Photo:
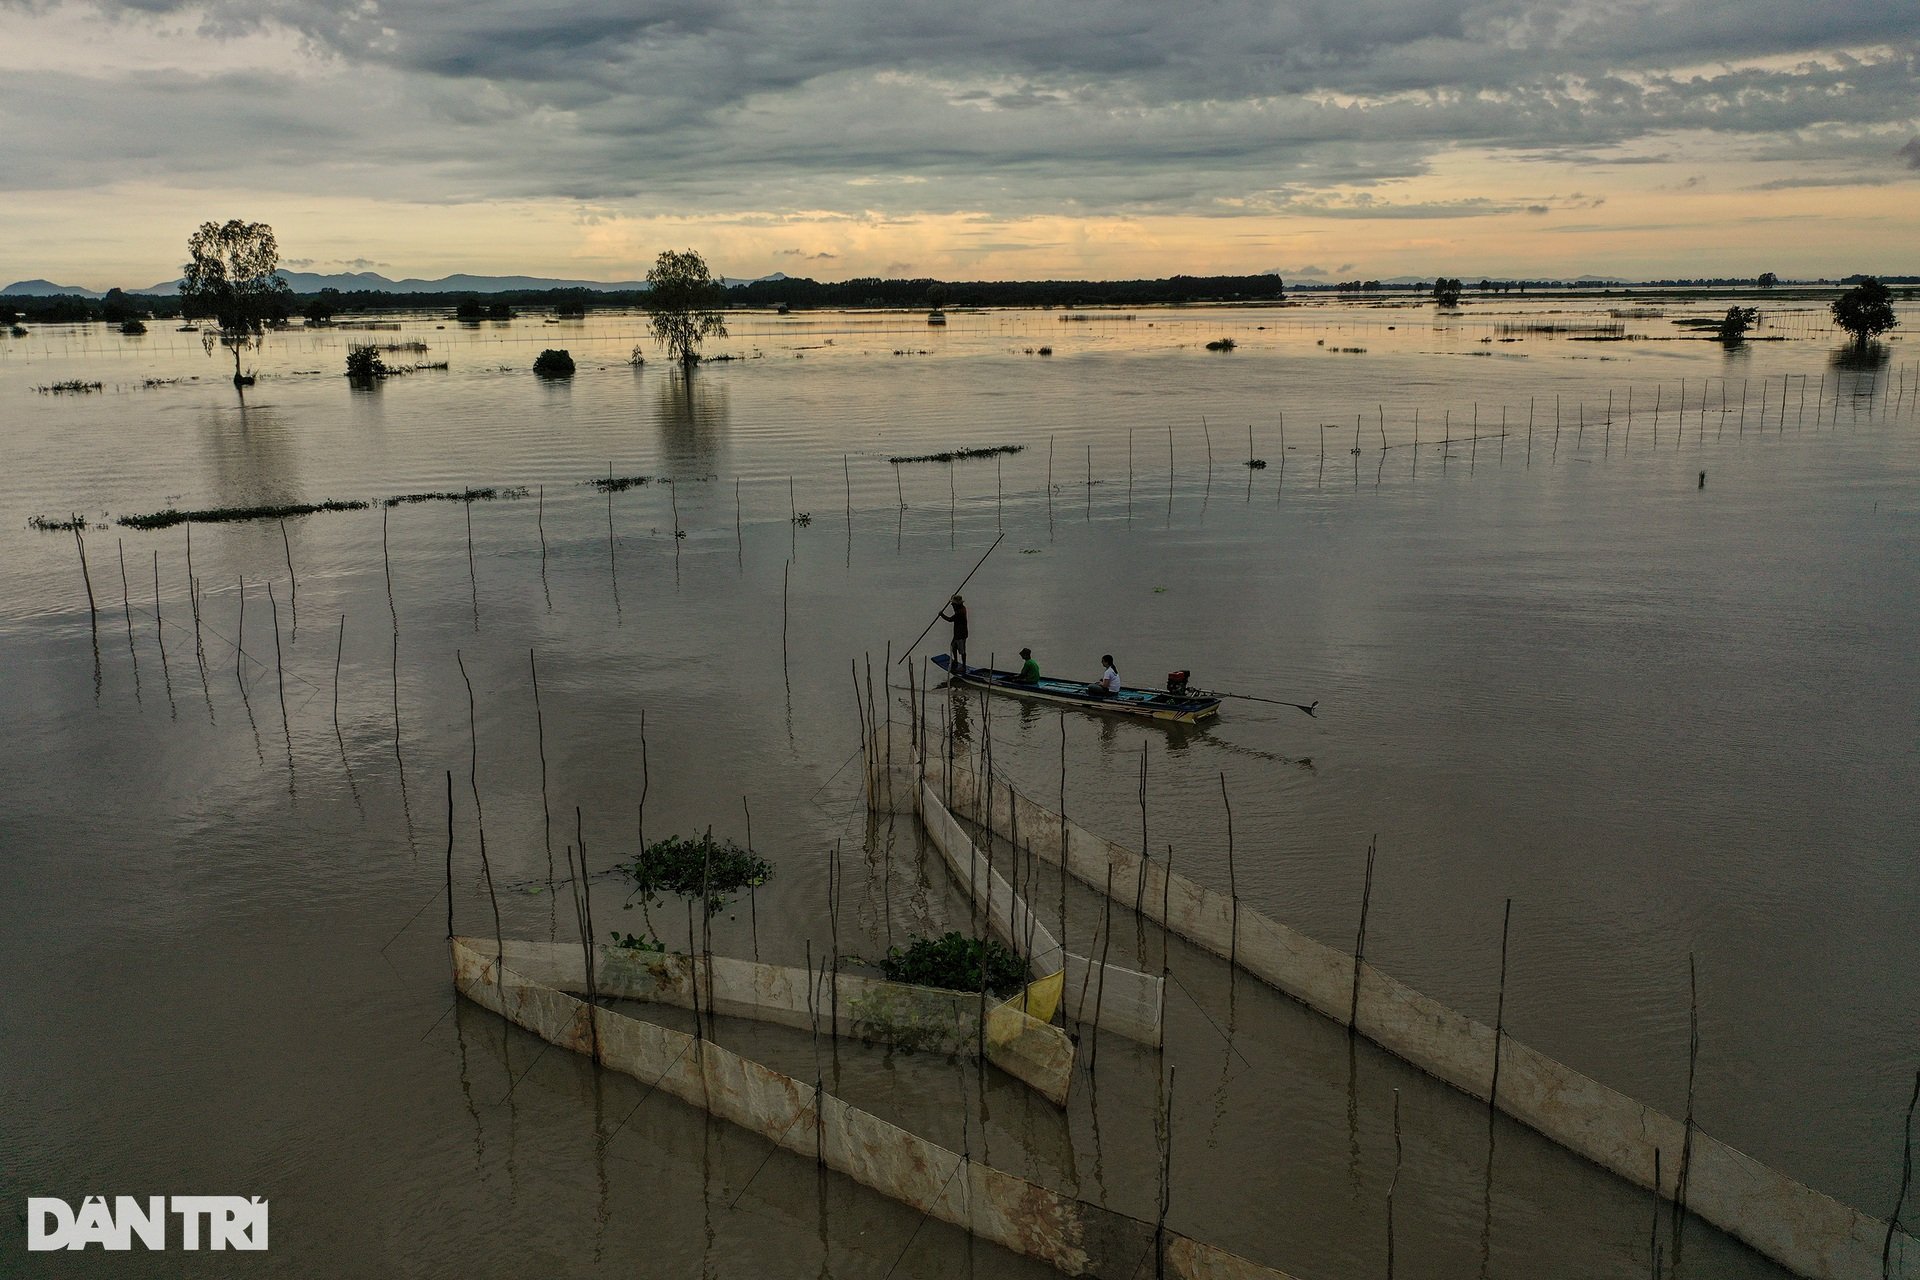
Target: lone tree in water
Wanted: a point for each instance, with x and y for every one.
(1446, 291)
(684, 299)
(231, 280)
(1865, 311)
(1734, 325)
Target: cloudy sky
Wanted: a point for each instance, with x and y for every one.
(994, 139)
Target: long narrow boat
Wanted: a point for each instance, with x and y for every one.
(1154, 704)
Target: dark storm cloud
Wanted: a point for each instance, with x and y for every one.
(1131, 105)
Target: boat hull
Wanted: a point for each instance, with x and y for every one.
(1146, 704)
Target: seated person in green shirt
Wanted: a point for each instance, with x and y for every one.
(1029, 669)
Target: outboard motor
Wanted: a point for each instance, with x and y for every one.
(1177, 682)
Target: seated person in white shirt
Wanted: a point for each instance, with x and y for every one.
(1109, 682)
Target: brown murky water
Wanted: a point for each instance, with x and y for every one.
(1663, 719)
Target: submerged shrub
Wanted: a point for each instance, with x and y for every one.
(364, 363)
(552, 363)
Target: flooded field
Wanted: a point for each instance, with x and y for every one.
(1601, 618)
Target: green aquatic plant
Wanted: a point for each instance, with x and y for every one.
(955, 962)
(224, 515)
(958, 455)
(636, 942)
(688, 868)
(618, 484)
(487, 494)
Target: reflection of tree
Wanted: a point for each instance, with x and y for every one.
(1856, 369)
(1860, 357)
(250, 457)
(693, 416)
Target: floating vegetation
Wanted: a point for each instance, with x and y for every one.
(224, 515)
(487, 494)
(1256, 464)
(44, 525)
(803, 518)
(636, 942)
(151, 383)
(553, 363)
(1222, 344)
(133, 328)
(1600, 329)
(908, 352)
(1030, 551)
(403, 346)
(18, 331)
(688, 868)
(74, 385)
(1078, 318)
(1044, 351)
(1350, 351)
(618, 484)
(955, 962)
(958, 455)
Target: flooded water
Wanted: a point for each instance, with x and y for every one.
(1670, 717)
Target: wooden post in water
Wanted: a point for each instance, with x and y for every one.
(1686, 1132)
(339, 647)
(293, 583)
(1233, 884)
(93, 613)
(1360, 940)
(1394, 1181)
(1499, 1022)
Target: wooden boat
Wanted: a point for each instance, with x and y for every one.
(1154, 704)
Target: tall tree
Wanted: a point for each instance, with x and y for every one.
(1446, 291)
(230, 280)
(684, 299)
(1865, 310)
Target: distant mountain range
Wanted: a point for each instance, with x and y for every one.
(373, 282)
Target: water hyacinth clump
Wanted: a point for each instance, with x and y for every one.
(686, 868)
(954, 962)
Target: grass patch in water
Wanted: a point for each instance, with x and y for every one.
(225, 515)
(487, 494)
(618, 484)
(959, 455)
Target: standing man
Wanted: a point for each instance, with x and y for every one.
(958, 648)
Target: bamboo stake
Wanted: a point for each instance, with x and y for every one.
(126, 610)
(1906, 1180)
(1233, 885)
(1686, 1133)
(449, 853)
(1360, 939)
(293, 583)
(540, 741)
(540, 523)
(1499, 1021)
(340, 645)
(93, 614)
(279, 669)
(479, 817)
(1394, 1181)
